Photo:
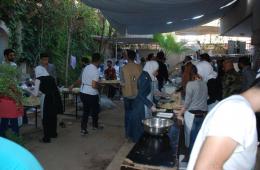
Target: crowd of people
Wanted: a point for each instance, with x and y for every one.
(227, 138)
(219, 103)
(45, 85)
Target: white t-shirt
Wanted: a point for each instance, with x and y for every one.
(90, 73)
(117, 68)
(11, 63)
(205, 70)
(234, 118)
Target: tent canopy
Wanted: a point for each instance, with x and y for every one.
(154, 16)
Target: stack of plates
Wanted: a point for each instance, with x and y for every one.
(165, 115)
(160, 110)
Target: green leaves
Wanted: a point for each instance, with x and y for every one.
(8, 83)
(169, 44)
(45, 28)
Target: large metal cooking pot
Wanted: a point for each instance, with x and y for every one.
(157, 126)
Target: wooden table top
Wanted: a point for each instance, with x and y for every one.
(109, 82)
(31, 101)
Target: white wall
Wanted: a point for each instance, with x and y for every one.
(3, 43)
(3, 39)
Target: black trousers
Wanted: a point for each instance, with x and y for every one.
(90, 107)
(111, 91)
(49, 123)
(258, 124)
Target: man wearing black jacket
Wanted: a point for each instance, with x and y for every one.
(162, 75)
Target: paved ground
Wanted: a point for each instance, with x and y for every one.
(258, 160)
(71, 151)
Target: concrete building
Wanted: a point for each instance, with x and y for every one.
(243, 20)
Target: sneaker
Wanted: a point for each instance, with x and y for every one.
(83, 132)
(98, 128)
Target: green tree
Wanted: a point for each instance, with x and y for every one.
(62, 28)
(169, 44)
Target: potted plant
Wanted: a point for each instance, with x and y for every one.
(10, 94)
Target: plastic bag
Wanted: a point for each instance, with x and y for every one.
(106, 103)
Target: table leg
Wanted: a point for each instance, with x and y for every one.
(76, 104)
(102, 89)
(25, 118)
(64, 97)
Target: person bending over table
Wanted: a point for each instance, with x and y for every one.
(51, 103)
(144, 86)
(195, 107)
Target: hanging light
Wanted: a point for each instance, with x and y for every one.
(228, 4)
(198, 17)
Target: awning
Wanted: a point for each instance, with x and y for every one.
(199, 30)
(154, 16)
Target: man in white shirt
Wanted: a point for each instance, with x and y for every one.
(228, 138)
(9, 57)
(89, 94)
(208, 75)
(117, 68)
(205, 69)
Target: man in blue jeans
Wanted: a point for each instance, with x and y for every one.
(129, 76)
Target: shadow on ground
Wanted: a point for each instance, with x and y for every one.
(71, 151)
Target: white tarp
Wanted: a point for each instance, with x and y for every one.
(153, 16)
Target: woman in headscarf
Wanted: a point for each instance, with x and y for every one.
(144, 85)
(51, 104)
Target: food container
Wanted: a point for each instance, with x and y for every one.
(157, 126)
(169, 89)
